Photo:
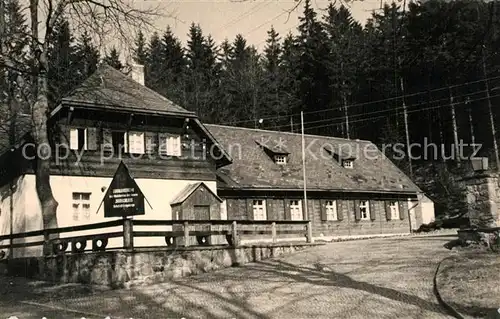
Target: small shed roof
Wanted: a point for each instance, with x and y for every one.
(190, 189)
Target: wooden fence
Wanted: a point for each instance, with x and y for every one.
(180, 236)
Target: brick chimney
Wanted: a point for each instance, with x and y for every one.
(137, 73)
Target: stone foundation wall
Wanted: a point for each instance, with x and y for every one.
(119, 269)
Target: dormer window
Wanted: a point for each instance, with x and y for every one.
(347, 163)
(276, 152)
(280, 159)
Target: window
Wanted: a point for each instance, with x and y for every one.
(331, 210)
(296, 210)
(259, 209)
(170, 145)
(347, 164)
(150, 142)
(394, 207)
(364, 209)
(78, 139)
(81, 206)
(119, 141)
(136, 142)
(280, 159)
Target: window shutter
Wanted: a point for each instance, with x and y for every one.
(73, 139)
(249, 209)
(125, 142)
(288, 214)
(388, 210)
(107, 139)
(303, 205)
(340, 214)
(322, 204)
(269, 209)
(357, 211)
(162, 144)
(177, 145)
(373, 211)
(92, 138)
(402, 210)
(150, 142)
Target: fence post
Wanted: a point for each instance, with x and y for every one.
(47, 249)
(273, 231)
(309, 232)
(128, 234)
(186, 234)
(234, 233)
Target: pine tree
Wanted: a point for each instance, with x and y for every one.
(61, 60)
(112, 58)
(271, 82)
(16, 42)
(290, 81)
(314, 88)
(140, 50)
(173, 64)
(86, 56)
(345, 38)
(154, 64)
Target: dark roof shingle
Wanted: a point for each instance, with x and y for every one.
(110, 88)
(253, 168)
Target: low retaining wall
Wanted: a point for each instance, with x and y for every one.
(122, 269)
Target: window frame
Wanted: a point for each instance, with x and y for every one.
(169, 144)
(296, 207)
(81, 206)
(134, 138)
(331, 210)
(125, 145)
(349, 164)
(364, 204)
(256, 206)
(394, 204)
(280, 159)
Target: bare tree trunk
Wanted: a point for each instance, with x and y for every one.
(471, 126)
(407, 133)
(39, 111)
(455, 128)
(346, 114)
(490, 112)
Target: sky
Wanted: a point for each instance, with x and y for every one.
(252, 18)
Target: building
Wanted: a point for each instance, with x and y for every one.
(248, 174)
(352, 188)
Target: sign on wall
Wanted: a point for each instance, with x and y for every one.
(123, 197)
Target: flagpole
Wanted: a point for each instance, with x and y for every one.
(306, 215)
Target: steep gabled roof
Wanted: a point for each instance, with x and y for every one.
(253, 169)
(190, 189)
(109, 88)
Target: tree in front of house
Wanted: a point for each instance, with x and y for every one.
(96, 17)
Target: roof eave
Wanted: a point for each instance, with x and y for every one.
(288, 189)
(119, 108)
